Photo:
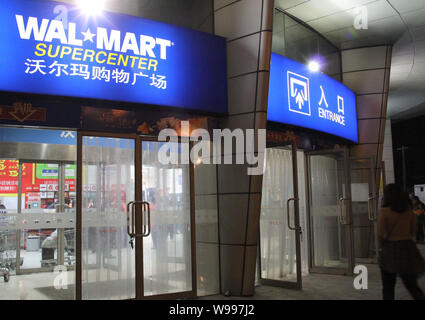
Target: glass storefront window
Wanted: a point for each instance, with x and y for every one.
(37, 213)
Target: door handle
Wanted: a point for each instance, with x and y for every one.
(146, 227)
(341, 211)
(287, 212)
(130, 221)
(370, 213)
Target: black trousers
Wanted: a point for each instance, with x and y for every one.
(409, 281)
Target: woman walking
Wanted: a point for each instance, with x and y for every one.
(399, 254)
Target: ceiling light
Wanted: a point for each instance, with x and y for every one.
(91, 7)
(314, 66)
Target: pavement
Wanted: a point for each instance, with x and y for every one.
(330, 287)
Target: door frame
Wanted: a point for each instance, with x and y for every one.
(347, 199)
(138, 164)
(374, 200)
(281, 283)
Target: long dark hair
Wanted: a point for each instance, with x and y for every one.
(396, 198)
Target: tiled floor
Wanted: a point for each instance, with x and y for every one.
(315, 287)
(328, 287)
(24, 287)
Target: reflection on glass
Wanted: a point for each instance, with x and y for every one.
(328, 233)
(362, 188)
(206, 213)
(8, 209)
(40, 199)
(36, 229)
(300, 43)
(167, 251)
(108, 262)
(277, 241)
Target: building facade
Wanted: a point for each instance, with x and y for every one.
(89, 210)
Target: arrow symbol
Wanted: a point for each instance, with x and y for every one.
(299, 100)
(22, 111)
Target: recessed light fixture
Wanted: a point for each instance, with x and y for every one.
(91, 7)
(314, 66)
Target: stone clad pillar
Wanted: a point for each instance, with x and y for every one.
(247, 25)
(367, 72)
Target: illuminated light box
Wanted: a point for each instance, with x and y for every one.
(55, 49)
(300, 97)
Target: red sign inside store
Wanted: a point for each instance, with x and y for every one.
(9, 178)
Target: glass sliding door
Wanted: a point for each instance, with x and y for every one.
(330, 222)
(280, 231)
(167, 250)
(108, 268)
(364, 208)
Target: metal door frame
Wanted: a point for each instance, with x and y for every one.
(374, 200)
(297, 229)
(139, 258)
(347, 199)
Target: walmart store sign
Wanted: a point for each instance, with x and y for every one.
(300, 97)
(51, 48)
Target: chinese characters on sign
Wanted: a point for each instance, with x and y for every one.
(9, 176)
(22, 111)
(109, 57)
(35, 177)
(95, 73)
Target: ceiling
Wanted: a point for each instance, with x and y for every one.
(397, 22)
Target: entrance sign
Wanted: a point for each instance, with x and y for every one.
(300, 97)
(110, 57)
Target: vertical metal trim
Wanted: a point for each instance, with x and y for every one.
(193, 224)
(220, 287)
(60, 208)
(296, 214)
(78, 226)
(258, 260)
(350, 244)
(384, 177)
(19, 232)
(138, 165)
(375, 194)
(213, 17)
(310, 247)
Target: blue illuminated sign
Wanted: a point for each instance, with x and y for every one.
(18, 135)
(52, 48)
(300, 97)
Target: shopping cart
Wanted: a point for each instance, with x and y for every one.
(4, 261)
(8, 251)
(50, 244)
(70, 247)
